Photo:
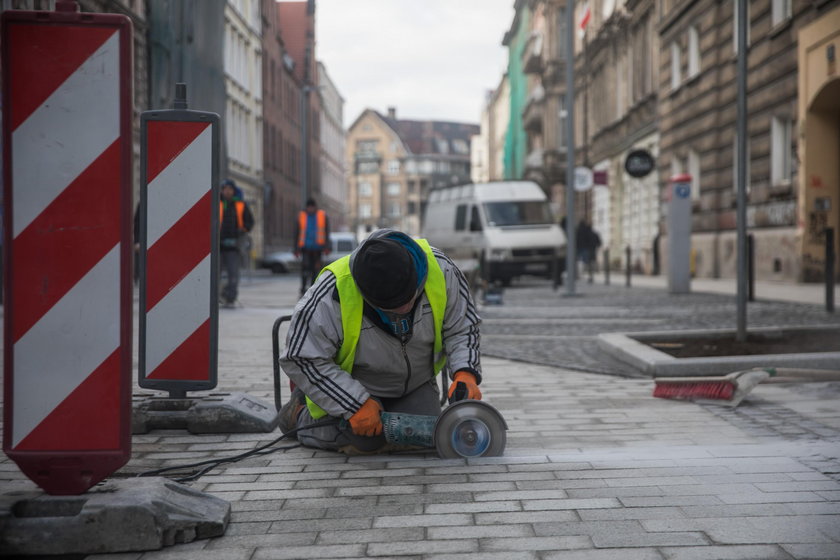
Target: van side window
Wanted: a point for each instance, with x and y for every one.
(475, 220)
(461, 217)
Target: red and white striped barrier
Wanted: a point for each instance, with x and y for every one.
(179, 205)
(67, 191)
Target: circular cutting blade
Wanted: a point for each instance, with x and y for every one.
(470, 428)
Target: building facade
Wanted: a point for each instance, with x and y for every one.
(281, 135)
(243, 117)
(297, 25)
(393, 164)
(697, 109)
(333, 147)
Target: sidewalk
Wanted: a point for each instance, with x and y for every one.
(595, 468)
(771, 291)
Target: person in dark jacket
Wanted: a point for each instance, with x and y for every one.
(235, 221)
(371, 335)
(587, 242)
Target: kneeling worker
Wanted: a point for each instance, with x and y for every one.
(371, 334)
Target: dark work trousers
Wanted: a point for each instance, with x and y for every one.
(230, 261)
(310, 266)
(424, 400)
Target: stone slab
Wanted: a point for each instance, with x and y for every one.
(631, 349)
(135, 514)
(210, 414)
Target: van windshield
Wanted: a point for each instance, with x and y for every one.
(520, 213)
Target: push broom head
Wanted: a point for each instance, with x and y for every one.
(726, 389)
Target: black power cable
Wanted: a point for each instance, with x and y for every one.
(211, 464)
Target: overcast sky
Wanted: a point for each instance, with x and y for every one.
(432, 60)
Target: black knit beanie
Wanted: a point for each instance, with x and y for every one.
(385, 273)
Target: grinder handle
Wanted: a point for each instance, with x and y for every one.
(460, 392)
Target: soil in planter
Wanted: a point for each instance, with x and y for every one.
(792, 342)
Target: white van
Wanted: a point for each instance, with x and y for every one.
(506, 227)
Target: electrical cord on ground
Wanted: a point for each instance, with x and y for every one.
(211, 464)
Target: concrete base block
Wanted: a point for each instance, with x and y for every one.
(212, 414)
(117, 516)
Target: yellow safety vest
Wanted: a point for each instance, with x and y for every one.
(352, 307)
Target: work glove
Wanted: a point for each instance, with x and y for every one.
(469, 384)
(367, 420)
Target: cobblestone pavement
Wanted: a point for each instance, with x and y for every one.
(594, 469)
(538, 325)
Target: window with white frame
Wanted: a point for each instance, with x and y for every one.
(393, 209)
(780, 151)
(780, 11)
(393, 167)
(693, 165)
(676, 65)
(394, 189)
(365, 189)
(693, 51)
(365, 211)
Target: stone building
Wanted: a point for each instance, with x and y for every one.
(488, 147)
(393, 164)
(616, 115)
(281, 135)
(332, 172)
(792, 195)
(243, 118)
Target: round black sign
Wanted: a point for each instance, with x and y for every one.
(639, 163)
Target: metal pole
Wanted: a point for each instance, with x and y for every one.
(606, 267)
(571, 257)
(741, 178)
(750, 268)
(829, 270)
(627, 272)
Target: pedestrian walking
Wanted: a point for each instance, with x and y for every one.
(587, 242)
(235, 221)
(313, 242)
(371, 335)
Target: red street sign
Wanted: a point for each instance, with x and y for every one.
(179, 209)
(67, 266)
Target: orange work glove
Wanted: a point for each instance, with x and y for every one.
(366, 421)
(468, 379)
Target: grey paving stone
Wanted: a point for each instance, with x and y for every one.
(753, 530)
(606, 554)
(621, 513)
(422, 547)
(771, 497)
(534, 543)
(377, 490)
(828, 551)
(500, 518)
(255, 541)
(522, 495)
(485, 555)
(434, 520)
(320, 551)
(549, 504)
(480, 531)
(318, 525)
(735, 552)
(474, 507)
(642, 539)
(371, 535)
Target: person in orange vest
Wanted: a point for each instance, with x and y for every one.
(312, 233)
(235, 221)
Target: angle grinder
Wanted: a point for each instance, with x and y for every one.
(466, 428)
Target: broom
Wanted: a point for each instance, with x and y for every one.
(731, 389)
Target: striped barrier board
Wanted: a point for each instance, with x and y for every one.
(67, 156)
(179, 217)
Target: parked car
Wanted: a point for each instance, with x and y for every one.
(281, 262)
